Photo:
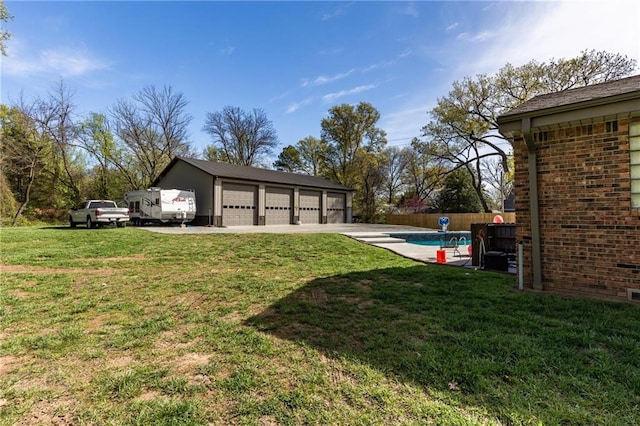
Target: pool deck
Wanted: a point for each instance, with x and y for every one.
(427, 254)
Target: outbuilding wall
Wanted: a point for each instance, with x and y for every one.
(185, 176)
(590, 235)
(211, 207)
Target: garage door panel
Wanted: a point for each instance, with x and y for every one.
(310, 207)
(335, 208)
(278, 206)
(239, 204)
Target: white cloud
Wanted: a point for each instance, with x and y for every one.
(330, 97)
(410, 10)
(63, 61)
(297, 105)
(523, 32)
(69, 63)
(560, 29)
(403, 125)
(339, 11)
(323, 79)
(452, 26)
(227, 51)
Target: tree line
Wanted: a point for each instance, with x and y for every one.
(52, 157)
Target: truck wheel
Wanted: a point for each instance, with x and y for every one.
(71, 222)
(90, 223)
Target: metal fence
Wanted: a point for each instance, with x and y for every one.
(457, 221)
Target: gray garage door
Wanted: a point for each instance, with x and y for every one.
(239, 204)
(278, 203)
(310, 202)
(335, 207)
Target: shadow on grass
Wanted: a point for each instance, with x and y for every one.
(469, 336)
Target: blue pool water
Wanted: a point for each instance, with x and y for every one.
(434, 239)
(435, 243)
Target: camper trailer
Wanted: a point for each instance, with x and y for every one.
(161, 205)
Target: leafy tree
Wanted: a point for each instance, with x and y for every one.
(8, 205)
(24, 156)
(463, 126)
(457, 194)
(353, 156)
(96, 138)
(289, 160)
(5, 35)
(241, 137)
(423, 173)
(151, 129)
(346, 131)
(306, 157)
(371, 184)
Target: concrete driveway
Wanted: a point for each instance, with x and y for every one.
(341, 228)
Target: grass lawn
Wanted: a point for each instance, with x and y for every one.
(129, 327)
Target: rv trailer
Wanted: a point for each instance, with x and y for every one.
(161, 205)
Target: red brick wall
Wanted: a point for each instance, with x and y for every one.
(590, 235)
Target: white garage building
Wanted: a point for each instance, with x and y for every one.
(232, 195)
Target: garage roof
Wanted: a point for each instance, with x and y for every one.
(234, 171)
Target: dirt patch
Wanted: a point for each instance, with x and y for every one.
(148, 396)
(20, 294)
(31, 269)
(45, 412)
(120, 362)
(133, 258)
(8, 364)
(318, 295)
(23, 269)
(364, 284)
(191, 361)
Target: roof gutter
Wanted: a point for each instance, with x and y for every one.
(534, 205)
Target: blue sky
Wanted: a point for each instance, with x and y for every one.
(295, 60)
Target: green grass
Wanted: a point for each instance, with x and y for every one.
(128, 327)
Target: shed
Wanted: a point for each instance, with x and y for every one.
(577, 189)
(233, 195)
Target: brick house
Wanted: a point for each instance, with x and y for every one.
(577, 188)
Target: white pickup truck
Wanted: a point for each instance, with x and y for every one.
(94, 213)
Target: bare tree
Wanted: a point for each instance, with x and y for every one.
(241, 137)
(394, 169)
(54, 118)
(151, 129)
(423, 172)
(499, 183)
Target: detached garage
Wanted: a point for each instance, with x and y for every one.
(232, 195)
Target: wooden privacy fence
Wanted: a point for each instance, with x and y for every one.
(457, 221)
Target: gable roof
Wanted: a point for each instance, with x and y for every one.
(234, 171)
(597, 94)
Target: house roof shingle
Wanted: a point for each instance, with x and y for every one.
(233, 171)
(626, 86)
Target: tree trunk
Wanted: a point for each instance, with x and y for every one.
(27, 191)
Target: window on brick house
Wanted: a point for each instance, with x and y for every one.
(634, 142)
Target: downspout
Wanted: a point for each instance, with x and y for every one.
(533, 203)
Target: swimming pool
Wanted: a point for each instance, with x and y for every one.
(437, 243)
(434, 239)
